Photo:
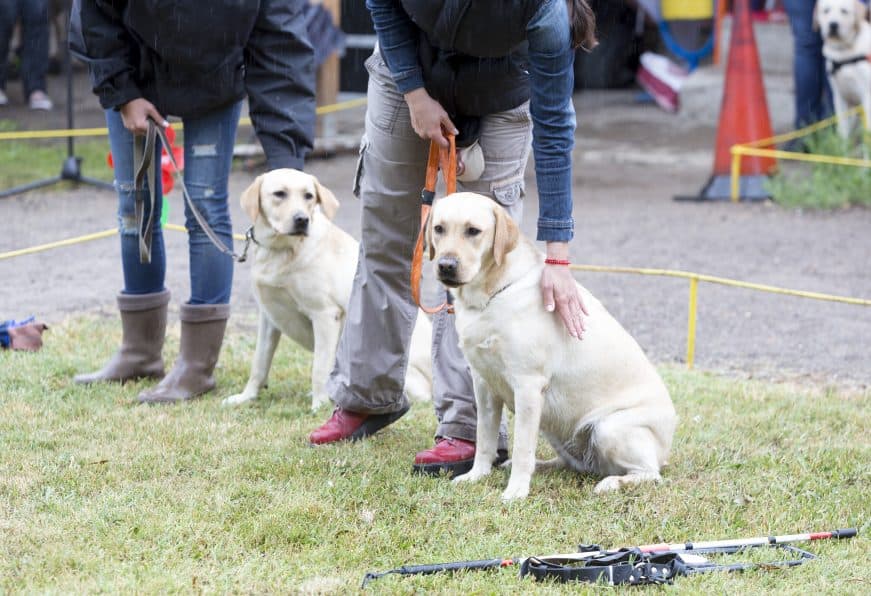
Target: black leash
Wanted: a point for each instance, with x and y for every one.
(638, 565)
(144, 148)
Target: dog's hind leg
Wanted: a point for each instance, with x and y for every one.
(630, 446)
(267, 341)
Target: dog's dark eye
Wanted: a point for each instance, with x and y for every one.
(280, 194)
(472, 232)
(438, 229)
(308, 196)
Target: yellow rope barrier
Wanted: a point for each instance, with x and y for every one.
(725, 281)
(691, 321)
(694, 279)
(68, 242)
(756, 149)
(26, 135)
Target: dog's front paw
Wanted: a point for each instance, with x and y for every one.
(474, 475)
(515, 491)
(239, 398)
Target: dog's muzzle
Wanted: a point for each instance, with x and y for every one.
(834, 30)
(448, 267)
(300, 225)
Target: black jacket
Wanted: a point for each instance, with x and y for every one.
(474, 59)
(189, 58)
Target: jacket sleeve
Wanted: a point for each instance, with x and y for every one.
(398, 42)
(280, 83)
(99, 38)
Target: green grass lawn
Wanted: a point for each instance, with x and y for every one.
(825, 186)
(22, 162)
(99, 495)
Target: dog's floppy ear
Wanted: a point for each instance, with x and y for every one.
(251, 198)
(815, 19)
(328, 201)
(506, 235)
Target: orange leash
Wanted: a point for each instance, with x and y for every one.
(446, 159)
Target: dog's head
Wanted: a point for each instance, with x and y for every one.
(838, 21)
(288, 200)
(469, 234)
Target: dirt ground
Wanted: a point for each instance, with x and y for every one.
(630, 160)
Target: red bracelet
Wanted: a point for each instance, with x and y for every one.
(557, 262)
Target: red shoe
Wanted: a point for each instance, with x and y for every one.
(451, 456)
(345, 425)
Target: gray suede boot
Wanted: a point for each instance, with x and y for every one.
(202, 332)
(143, 326)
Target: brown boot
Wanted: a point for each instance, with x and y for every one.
(143, 325)
(202, 332)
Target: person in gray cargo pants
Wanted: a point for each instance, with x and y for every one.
(503, 107)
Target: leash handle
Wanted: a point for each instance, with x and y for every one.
(144, 164)
(444, 158)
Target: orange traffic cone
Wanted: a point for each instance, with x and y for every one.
(743, 115)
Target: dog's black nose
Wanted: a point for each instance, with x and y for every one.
(300, 222)
(833, 28)
(448, 267)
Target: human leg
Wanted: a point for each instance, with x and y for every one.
(208, 156)
(372, 357)
(143, 301)
(813, 100)
(8, 17)
(34, 52)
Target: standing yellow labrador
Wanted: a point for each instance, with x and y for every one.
(303, 269)
(598, 401)
(846, 33)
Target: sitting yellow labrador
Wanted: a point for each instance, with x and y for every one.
(598, 401)
(303, 269)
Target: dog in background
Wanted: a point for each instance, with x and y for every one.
(598, 401)
(303, 269)
(846, 33)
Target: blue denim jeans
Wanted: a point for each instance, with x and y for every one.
(34, 33)
(208, 155)
(813, 98)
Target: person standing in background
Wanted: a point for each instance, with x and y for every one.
(813, 98)
(149, 59)
(33, 16)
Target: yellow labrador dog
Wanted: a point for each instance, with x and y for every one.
(598, 401)
(846, 34)
(303, 269)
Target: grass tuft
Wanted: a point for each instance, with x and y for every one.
(97, 494)
(825, 186)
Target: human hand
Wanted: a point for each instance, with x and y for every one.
(428, 118)
(560, 292)
(135, 115)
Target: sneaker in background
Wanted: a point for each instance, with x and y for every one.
(3, 99)
(40, 101)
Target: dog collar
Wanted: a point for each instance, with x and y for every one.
(835, 65)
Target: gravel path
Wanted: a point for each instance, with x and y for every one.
(630, 161)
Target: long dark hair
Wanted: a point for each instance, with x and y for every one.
(583, 24)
